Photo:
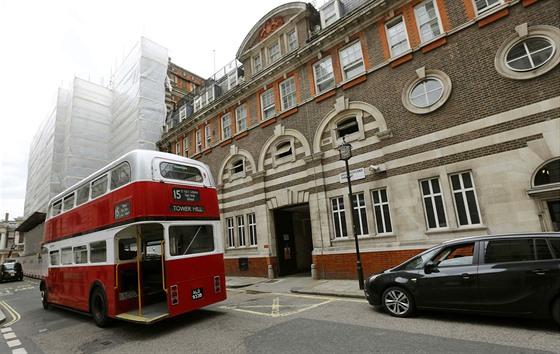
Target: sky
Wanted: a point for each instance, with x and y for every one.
(45, 44)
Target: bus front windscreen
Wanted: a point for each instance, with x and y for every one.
(191, 239)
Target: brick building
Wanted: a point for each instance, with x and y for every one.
(452, 109)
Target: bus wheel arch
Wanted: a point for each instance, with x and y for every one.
(98, 306)
(44, 294)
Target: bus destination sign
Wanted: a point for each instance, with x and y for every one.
(186, 209)
(186, 195)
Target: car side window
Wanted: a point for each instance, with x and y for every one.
(542, 250)
(515, 250)
(454, 256)
(555, 243)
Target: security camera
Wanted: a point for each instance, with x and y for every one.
(374, 168)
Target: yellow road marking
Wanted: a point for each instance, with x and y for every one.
(16, 316)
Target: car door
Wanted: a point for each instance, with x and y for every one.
(450, 280)
(517, 275)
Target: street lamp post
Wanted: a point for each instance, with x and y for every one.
(345, 151)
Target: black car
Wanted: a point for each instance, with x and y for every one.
(11, 271)
(503, 274)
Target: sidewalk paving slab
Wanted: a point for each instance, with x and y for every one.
(299, 285)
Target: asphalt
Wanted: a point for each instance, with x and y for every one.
(299, 284)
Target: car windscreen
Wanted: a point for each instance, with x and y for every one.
(418, 261)
(9, 266)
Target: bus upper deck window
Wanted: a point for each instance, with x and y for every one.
(120, 175)
(99, 187)
(56, 208)
(180, 172)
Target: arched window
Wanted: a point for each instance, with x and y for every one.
(283, 152)
(547, 174)
(347, 127)
(237, 166)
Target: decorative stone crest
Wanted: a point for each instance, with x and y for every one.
(270, 26)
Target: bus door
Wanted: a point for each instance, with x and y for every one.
(140, 272)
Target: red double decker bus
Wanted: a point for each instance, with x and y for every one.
(139, 240)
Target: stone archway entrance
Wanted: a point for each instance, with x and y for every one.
(293, 239)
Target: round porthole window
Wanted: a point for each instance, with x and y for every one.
(529, 53)
(426, 92)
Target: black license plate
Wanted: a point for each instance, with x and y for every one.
(197, 294)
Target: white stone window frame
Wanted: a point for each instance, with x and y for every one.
(421, 75)
(469, 205)
(354, 64)
(198, 139)
(280, 147)
(437, 18)
(186, 147)
(291, 40)
(488, 6)
(252, 226)
(241, 232)
(522, 33)
(207, 136)
(359, 135)
(318, 81)
(436, 198)
(230, 232)
(271, 54)
(288, 98)
(338, 215)
(257, 63)
(233, 175)
(182, 113)
(226, 128)
(241, 118)
(178, 148)
(383, 225)
(390, 39)
(270, 107)
(360, 210)
(330, 13)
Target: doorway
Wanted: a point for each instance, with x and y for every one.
(294, 243)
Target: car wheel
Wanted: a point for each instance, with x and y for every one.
(556, 310)
(44, 297)
(398, 302)
(99, 308)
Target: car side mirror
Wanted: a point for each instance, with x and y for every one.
(430, 267)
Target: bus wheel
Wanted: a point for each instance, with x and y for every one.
(44, 296)
(99, 308)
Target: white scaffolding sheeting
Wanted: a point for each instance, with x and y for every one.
(92, 125)
(139, 99)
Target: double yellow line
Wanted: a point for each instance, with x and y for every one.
(13, 314)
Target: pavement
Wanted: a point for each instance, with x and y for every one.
(299, 284)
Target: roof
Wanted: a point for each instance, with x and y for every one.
(31, 222)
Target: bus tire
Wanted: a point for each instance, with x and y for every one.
(99, 308)
(44, 296)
